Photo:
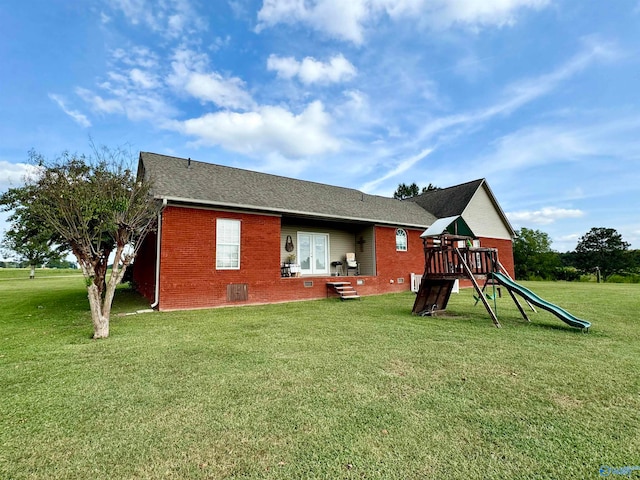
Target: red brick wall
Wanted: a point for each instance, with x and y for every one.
(505, 255)
(505, 252)
(392, 265)
(188, 277)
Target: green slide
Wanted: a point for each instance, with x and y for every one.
(527, 294)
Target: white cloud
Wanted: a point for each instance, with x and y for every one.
(266, 130)
(171, 18)
(310, 70)
(98, 103)
(78, 117)
(190, 76)
(355, 106)
(143, 79)
(565, 243)
(347, 20)
(135, 105)
(136, 56)
(401, 167)
(469, 13)
(13, 174)
(224, 92)
(287, 67)
(337, 18)
(135, 87)
(544, 216)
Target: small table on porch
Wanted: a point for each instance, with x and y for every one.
(338, 266)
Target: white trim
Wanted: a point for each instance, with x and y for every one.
(213, 208)
(406, 240)
(312, 270)
(156, 293)
(219, 243)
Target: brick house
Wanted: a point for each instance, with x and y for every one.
(229, 236)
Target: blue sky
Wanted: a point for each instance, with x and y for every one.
(540, 97)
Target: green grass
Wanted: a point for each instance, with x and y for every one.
(321, 389)
(23, 273)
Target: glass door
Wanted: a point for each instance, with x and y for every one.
(313, 253)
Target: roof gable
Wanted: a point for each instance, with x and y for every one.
(455, 201)
(448, 202)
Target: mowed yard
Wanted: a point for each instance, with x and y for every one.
(318, 389)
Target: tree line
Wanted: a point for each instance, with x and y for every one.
(600, 254)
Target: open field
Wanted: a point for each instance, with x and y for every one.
(23, 273)
(321, 389)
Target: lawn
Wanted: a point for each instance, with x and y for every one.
(320, 389)
(23, 273)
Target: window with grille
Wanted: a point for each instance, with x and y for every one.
(227, 244)
(401, 240)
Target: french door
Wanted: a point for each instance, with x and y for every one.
(313, 253)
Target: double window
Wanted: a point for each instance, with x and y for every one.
(227, 244)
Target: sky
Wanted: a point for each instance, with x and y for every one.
(540, 97)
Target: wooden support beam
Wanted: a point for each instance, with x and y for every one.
(504, 270)
(515, 300)
(478, 290)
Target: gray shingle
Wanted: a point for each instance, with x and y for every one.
(206, 183)
(448, 202)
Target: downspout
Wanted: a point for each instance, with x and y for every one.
(156, 299)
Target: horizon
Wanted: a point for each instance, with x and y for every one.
(538, 97)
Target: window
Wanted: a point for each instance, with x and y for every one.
(401, 240)
(227, 244)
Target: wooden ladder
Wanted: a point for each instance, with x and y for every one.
(344, 290)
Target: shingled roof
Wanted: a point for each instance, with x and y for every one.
(448, 202)
(192, 182)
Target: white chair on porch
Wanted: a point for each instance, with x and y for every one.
(352, 264)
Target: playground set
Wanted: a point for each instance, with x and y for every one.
(451, 256)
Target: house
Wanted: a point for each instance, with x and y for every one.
(225, 235)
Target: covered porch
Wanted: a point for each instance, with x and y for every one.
(316, 249)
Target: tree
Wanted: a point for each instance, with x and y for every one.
(533, 256)
(632, 261)
(95, 207)
(407, 191)
(603, 249)
(26, 237)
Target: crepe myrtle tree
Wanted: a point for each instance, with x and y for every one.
(97, 208)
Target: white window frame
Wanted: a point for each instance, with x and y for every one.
(399, 248)
(226, 242)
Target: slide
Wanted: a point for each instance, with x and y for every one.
(527, 294)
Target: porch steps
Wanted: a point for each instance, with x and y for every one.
(344, 290)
